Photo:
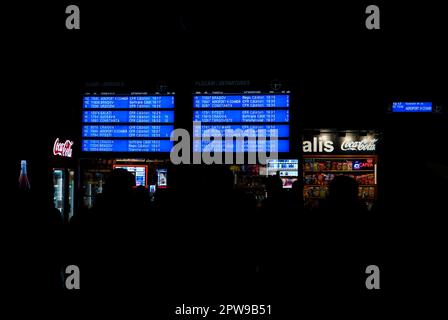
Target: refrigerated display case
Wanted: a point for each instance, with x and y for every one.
(62, 165)
(64, 190)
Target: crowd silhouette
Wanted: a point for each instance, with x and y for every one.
(201, 238)
(200, 232)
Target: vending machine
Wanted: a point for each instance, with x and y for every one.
(327, 154)
(62, 165)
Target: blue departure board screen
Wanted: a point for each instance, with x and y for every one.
(127, 145)
(412, 107)
(260, 117)
(118, 131)
(128, 102)
(281, 130)
(241, 101)
(116, 116)
(240, 146)
(127, 123)
(241, 116)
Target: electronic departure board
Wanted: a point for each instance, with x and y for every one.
(286, 169)
(412, 107)
(261, 119)
(130, 123)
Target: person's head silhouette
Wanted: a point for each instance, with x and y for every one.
(274, 185)
(297, 187)
(119, 182)
(343, 189)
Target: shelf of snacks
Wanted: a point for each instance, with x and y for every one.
(342, 171)
(321, 192)
(337, 164)
(319, 172)
(322, 185)
(320, 178)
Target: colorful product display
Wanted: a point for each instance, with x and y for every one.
(319, 172)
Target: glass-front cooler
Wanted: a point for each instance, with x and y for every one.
(64, 190)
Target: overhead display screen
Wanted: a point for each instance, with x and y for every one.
(261, 119)
(141, 123)
(241, 116)
(139, 116)
(129, 102)
(282, 131)
(284, 167)
(412, 107)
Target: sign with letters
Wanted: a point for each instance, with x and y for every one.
(329, 143)
(63, 148)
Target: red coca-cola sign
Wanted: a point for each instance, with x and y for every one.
(63, 149)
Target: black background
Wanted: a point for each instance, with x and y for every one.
(344, 76)
(340, 69)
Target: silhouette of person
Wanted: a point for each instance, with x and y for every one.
(343, 197)
(340, 238)
(37, 255)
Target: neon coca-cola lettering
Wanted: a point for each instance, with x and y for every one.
(63, 149)
(364, 145)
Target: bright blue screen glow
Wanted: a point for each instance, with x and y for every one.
(127, 145)
(257, 112)
(128, 116)
(241, 116)
(127, 123)
(240, 146)
(128, 102)
(412, 107)
(125, 131)
(241, 101)
(248, 130)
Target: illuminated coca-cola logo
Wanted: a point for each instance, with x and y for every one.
(363, 145)
(63, 149)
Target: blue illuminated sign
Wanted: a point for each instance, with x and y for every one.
(241, 146)
(412, 107)
(126, 131)
(128, 116)
(128, 102)
(241, 101)
(126, 145)
(254, 114)
(127, 123)
(241, 116)
(279, 131)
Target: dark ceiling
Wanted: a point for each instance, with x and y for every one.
(323, 50)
